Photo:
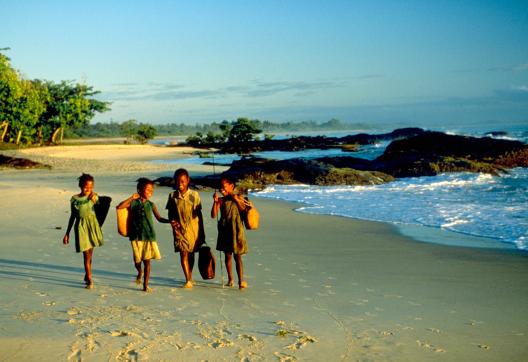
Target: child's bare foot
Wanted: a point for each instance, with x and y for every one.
(229, 283)
(188, 285)
(242, 285)
(89, 285)
(138, 277)
(148, 290)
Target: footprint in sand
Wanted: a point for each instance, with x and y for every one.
(49, 304)
(283, 357)
(474, 323)
(41, 294)
(248, 337)
(484, 347)
(301, 342)
(434, 330)
(120, 333)
(75, 354)
(430, 346)
(73, 311)
(220, 343)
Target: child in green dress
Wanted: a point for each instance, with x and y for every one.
(87, 230)
(141, 228)
(231, 235)
(185, 215)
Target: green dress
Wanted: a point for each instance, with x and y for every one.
(141, 225)
(231, 233)
(87, 230)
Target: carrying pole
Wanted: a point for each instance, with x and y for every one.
(219, 252)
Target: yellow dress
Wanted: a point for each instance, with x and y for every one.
(186, 209)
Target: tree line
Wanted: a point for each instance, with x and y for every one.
(38, 111)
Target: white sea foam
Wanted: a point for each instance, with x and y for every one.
(474, 204)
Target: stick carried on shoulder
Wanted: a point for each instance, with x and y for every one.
(219, 252)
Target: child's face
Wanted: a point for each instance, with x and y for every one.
(182, 182)
(226, 187)
(87, 188)
(147, 191)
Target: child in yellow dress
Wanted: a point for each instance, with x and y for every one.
(141, 228)
(185, 215)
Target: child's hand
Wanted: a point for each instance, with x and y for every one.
(215, 197)
(93, 197)
(66, 239)
(135, 196)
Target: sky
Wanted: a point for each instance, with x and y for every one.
(407, 63)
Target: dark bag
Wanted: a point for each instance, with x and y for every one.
(206, 262)
(101, 209)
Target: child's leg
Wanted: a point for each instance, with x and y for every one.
(240, 271)
(87, 256)
(146, 264)
(184, 259)
(140, 272)
(229, 268)
(191, 263)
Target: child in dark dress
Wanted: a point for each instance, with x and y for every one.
(231, 235)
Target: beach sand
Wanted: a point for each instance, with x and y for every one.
(320, 287)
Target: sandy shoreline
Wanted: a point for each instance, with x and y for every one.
(320, 287)
(109, 158)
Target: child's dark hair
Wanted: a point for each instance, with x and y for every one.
(84, 178)
(229, 179)
(179, 172)
(143, 182)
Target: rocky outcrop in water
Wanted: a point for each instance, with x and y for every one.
(424, 154)
(347, 143)
(436, 152)
(19, 163)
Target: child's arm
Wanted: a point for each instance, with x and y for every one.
(240, 202)
(126, 203)
(217, 201)
(66, 238)
(158, 216)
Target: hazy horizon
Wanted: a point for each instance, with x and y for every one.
(383, 62)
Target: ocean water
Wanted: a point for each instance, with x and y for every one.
(472, 204)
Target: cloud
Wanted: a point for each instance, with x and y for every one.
(515, 68)
(264, 89)
(513, 94)
(254, 89)
(178, 95)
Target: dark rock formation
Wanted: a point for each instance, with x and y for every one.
(256, 173)
(424, 154)
(434, 152)
(347, 143)
(19, 163)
